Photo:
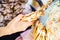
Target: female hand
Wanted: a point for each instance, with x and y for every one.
(17, 25)
(14, 26)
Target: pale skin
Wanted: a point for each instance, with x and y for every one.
(16, 25)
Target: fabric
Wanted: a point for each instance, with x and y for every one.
(25, 36)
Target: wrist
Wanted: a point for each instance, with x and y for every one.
(6, 31)
(2, 31)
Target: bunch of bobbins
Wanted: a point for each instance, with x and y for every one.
(38, 30)
(9, 9)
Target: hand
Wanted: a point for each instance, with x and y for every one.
(17, 25)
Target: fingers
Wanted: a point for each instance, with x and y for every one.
(16, 19)
(28, 24)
